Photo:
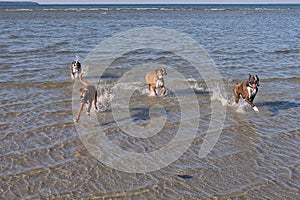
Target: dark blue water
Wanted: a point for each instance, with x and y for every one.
(257, 155)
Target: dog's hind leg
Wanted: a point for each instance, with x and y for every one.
(149, 91)
(236, 95)
(89, 104)
(79, 112)
(236, 98)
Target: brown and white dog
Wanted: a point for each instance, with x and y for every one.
(88, 94)
(75, 69)
(155, 80)
(248, 90)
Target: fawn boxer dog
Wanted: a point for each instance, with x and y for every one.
(75, 69)
(88, 94)
(248, 90)
(155, 80)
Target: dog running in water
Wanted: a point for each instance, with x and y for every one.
(75, 69)
(88, 94)
(155, 80)
(248, 90)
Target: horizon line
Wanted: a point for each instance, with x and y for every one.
(146, 3)
(164, 3)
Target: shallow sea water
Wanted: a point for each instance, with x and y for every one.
(43, 157)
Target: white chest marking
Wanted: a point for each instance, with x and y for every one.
(74, 69)
(159, 82)
(251, 91)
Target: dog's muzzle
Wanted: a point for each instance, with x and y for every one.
(254, 85)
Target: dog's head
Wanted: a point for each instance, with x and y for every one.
(83, 94)
(161, 72)
(75, 66)
(253, 81)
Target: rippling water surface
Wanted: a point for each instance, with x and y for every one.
(42, 156)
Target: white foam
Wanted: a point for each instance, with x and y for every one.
(240, 107)
(195, 85)
(217, 96)
(136, 86)
(76, 58)
(105, 96)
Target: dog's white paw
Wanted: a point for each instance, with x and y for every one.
(255, 109)
(151, 95)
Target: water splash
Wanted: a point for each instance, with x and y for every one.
(105, 96)
(195, 85)
(76, 58)
(241, 107)
(216, 95)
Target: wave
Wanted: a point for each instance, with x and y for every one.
(160, 7)
(289, 79)
(18, 9)
(45, 85)
(271, 79)
(285, 51)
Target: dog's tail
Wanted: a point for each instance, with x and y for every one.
(82, 81)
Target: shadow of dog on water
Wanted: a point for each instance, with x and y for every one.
(276, 106)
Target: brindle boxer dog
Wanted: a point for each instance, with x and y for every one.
(75, 69)
(88, 94)
(155, 80)
(248, 90)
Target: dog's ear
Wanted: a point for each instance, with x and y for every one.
(257, 79)
(158, 72)
(162, 71)
(249, 76)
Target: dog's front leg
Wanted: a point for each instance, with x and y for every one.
(79, 112)
(252, 104)
(163, 90)
(252, 97)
